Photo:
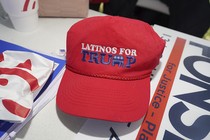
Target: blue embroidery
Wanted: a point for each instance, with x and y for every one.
(107, 59)
(119, 60)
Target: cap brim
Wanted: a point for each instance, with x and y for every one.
(106, 99)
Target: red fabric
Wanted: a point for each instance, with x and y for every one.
(109, 62)
(15, 108)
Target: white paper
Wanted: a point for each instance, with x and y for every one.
(22, 75)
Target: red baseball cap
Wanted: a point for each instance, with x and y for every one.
(109, 61)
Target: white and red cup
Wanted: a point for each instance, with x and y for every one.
(22, 13)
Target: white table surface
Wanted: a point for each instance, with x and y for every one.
(50, 36)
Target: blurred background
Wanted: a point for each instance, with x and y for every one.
(188, 16)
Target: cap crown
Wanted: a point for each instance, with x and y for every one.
(113, 47)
